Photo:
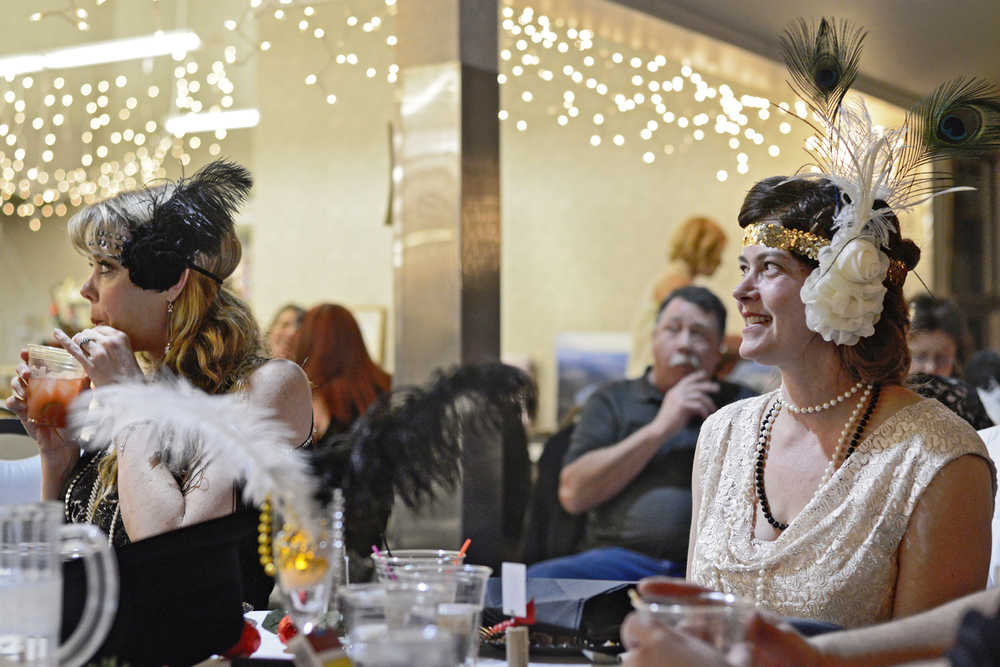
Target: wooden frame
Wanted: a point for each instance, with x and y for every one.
(371, 320)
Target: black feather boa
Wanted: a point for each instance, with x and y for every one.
(408, 445)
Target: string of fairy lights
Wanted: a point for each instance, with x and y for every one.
(75, 13)
(72, 137)
(337, 47)
(625, 96)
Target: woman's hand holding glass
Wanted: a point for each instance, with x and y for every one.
(59, 453)
(104, 352)
(50, 439)
(651, 643)
(106, 356)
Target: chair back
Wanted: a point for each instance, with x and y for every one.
(991, 436)
(550, 531)
(20, 465)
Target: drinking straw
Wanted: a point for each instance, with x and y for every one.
(461, 552)
(388, 569)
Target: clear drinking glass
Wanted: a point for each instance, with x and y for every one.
(461, 609)
(369, 610)
(56, 379)
(428, 646)
(719, 619)
(307, 567)
(385, 563)
(395, 623)
(33, 544)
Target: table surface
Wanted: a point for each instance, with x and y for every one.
(271, 647)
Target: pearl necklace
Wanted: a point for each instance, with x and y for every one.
(92, 501)
(796, 410)
(763, 444)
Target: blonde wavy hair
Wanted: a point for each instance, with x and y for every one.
(215, 341)
(697, 242)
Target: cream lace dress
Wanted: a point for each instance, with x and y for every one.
(836, 561)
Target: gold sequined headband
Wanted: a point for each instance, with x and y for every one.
(805, 244)
(797, 241)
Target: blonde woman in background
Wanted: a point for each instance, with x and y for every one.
(695, 249)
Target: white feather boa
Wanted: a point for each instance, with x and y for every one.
(221, 429)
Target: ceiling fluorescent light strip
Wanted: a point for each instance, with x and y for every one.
(96, 53)
(212, 120)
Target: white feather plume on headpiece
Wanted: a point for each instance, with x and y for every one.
(867, 163)
(843, 296)
(191, 425)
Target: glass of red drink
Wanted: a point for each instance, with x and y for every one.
(56, 379)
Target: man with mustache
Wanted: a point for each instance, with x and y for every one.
(628, 466)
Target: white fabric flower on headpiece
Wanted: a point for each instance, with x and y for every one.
(844, 294)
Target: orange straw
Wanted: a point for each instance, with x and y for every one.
(461, 552)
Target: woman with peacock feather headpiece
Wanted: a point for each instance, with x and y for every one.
(842, 496)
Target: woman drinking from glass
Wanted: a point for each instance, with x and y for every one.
(158, 304)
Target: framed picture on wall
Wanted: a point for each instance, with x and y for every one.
(371, 320)
(585, 361)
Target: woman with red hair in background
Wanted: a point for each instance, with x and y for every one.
(344, 379)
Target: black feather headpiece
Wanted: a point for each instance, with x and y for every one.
(408, 445)
(191, 217)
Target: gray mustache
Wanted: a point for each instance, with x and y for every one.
(682, 359)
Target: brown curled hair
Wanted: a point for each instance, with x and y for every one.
(810, 205)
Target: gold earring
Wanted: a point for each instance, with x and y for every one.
(170, 312)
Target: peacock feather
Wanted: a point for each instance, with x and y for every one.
(961, 118)
(822, 62)
(866, 162)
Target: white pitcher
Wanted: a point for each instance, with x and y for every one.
(33, 544)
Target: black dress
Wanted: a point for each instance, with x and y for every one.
(978, 641)
(956, 395)
(83, 505)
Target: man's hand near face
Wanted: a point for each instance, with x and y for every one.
(686, 352)
(690, 397)
(603, 473)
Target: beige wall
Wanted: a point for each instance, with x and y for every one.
(323, 183)
(33, 264)
(584, 228)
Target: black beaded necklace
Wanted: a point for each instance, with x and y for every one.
(765, 439)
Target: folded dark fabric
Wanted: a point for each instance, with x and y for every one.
(978, 641)
(589, 610)
(181, 597)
